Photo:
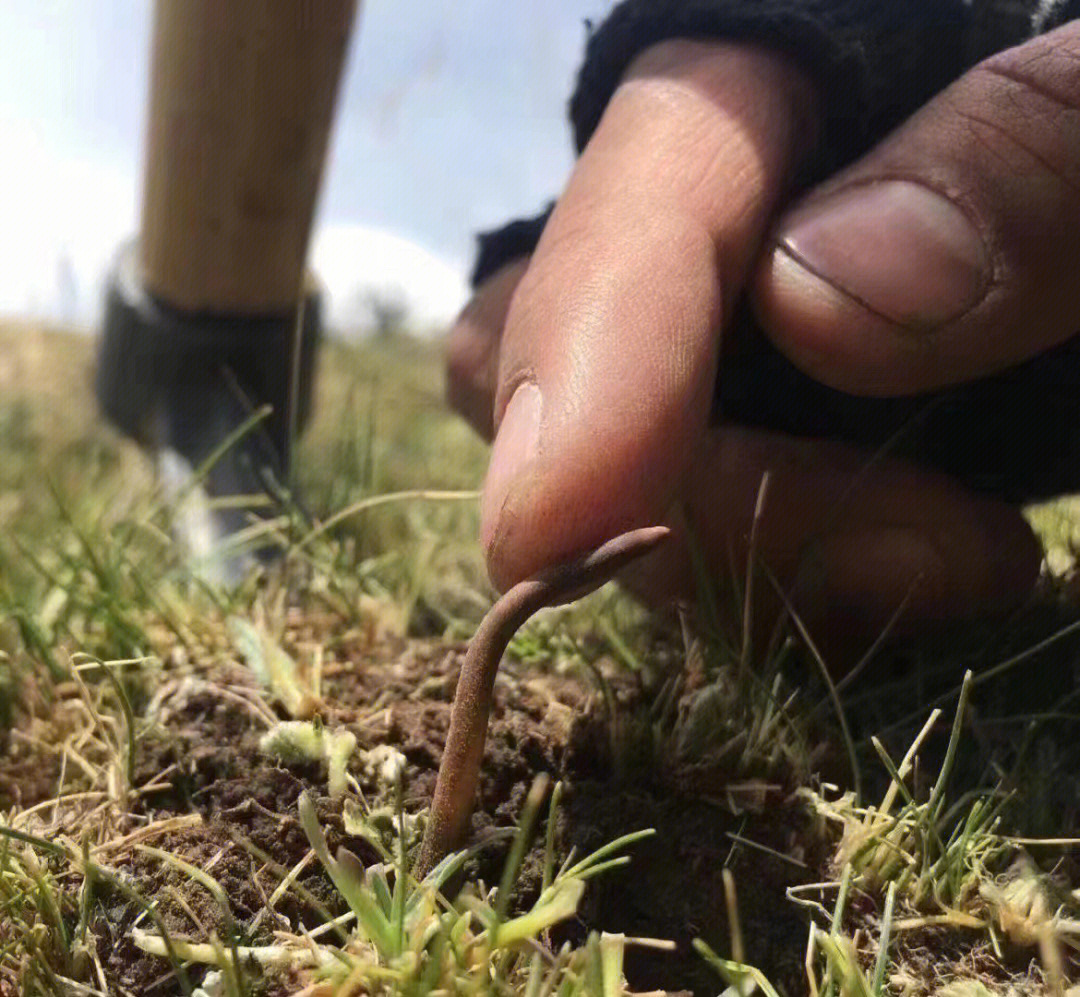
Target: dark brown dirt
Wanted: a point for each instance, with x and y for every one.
(673, 888)
(399, 693)
(25, 776)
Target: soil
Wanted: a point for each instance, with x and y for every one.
(197, 750)
(205, 744)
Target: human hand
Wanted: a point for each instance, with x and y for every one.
(943, 255)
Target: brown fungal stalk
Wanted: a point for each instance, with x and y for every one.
(459, 772)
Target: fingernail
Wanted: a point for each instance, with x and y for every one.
(515, 445)
(901, 249)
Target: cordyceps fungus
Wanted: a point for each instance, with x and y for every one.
(459, 772)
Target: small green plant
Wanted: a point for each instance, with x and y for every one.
(932, 865)
(36, 946)
(306, 741)
(275, 670)
(938, 856)
(404, 935)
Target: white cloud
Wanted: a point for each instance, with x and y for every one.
(52, 205)
(354, 261)
(474, 90)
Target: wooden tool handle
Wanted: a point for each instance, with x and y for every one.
(242, 100)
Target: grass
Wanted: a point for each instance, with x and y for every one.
(930, 890)
(99, 610)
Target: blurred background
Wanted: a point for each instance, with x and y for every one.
(452, 119)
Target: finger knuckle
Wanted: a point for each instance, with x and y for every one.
(1049, 64)
(1023, 106)
(1046, 69)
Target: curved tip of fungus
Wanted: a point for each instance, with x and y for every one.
(572, 581)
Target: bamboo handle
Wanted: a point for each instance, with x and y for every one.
(242, 100)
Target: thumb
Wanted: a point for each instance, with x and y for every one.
(608, 359)
(949, 252)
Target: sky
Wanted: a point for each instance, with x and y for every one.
(452, 119)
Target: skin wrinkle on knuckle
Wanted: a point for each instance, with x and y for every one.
(1026, 188)
(734, 155)
(1049, 56)
(694, 174)
(1035, 85)
(989, 132)
(986, 134)
(1024, 112)
(683, 151)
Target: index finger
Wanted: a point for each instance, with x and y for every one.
(609, 354)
